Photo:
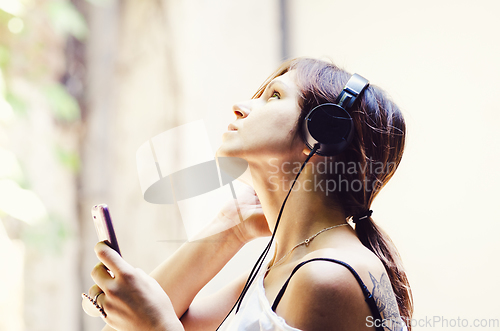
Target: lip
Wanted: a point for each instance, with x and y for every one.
(232, 127)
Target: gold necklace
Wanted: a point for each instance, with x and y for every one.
(305, 242)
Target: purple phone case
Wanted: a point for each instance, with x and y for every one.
(104, 226)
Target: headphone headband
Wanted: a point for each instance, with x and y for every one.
(354, 87)
(330, 124)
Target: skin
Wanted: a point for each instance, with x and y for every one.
(321, 295)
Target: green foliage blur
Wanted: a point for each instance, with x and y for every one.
(33, 39)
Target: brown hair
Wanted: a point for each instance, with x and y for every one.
(379, 140)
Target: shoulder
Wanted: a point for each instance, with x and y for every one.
(323, 294)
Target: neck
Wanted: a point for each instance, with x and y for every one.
(307, 211)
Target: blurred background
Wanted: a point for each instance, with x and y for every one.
(84, 83)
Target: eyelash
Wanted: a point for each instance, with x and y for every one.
(275, 93)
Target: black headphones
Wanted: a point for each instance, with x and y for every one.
(330, 124)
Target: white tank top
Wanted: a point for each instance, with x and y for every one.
(255, 313)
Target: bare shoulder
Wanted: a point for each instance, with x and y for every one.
(323, 294)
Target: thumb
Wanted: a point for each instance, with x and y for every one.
(111, 259)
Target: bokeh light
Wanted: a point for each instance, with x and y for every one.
(16, 25)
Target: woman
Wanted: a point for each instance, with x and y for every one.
(344, 278)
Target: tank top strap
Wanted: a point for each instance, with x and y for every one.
(368, 296)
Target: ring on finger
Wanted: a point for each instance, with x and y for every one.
(97, 295)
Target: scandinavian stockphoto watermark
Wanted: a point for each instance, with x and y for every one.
(435, 321)
(327, 175)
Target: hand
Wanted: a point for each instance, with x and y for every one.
(131, 299)
(246, 216)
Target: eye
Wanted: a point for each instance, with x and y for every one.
(275, 95)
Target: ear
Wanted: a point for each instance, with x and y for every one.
(306, 150)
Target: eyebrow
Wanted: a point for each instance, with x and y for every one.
(274, 82)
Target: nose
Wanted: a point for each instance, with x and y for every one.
(241, 109)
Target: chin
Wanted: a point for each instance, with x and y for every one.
(221, 151)
(226, 150)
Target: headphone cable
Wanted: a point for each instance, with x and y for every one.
(260, 260)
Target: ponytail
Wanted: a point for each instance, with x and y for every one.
(376, 240)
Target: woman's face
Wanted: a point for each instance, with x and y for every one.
(266, 127)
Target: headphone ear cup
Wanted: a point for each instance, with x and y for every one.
(329, 125)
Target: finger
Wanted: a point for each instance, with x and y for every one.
(100, 299)
(94, 290)
(101, 276)
(111, 259)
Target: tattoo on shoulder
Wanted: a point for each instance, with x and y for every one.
(386, 303)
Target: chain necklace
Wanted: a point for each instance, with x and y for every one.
(305, 242)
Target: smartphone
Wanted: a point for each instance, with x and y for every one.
(104, 226)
